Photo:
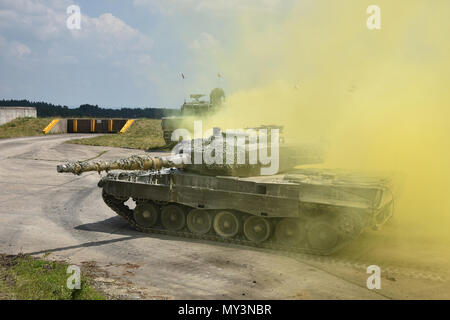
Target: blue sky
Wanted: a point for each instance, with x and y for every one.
(127, 53)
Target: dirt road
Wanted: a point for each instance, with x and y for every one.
(42, 211)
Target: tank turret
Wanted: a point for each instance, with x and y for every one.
(212, 156)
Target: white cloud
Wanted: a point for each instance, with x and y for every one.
(205, 43)
(13, 49)
(34, 7)
(19, 50)
(110, 34)
(105, 37)
(42, 21)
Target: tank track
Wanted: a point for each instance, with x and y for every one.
(120, 208)
(297, 252)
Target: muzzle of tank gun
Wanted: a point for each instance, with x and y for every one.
(74, 168)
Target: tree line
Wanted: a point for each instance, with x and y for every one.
(87, 110)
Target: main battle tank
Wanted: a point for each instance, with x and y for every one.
(305, 210)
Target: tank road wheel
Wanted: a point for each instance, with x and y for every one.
(226, 224)
(173, 218)
(199, 221)
(146, 214)
(349, 225)
(290, 231)
(322, 235)
(257, 229)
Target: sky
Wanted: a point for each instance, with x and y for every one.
(128, 53)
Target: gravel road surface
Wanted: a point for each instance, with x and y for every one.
(42, 211)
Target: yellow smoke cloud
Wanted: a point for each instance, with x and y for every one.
(379, 98)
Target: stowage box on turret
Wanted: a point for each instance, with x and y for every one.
(306, 210)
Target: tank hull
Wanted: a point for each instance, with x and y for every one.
(301, 211)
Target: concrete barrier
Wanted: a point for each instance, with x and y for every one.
(87, 125)
(56, 126)
(8, 114)
(126, 126)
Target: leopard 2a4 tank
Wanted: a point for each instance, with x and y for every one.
(316, 211)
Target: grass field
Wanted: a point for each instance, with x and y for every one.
(24, 127)
(25, 278)
(143, 134)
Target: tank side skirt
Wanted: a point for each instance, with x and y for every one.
(206, 198)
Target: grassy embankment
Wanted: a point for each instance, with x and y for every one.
(143, 134)
(25, 278)
(24, 127)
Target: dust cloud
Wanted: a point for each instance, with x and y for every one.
(378, 98)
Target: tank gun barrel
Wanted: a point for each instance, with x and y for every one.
(135, 162)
